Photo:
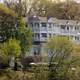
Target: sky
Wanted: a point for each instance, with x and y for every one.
(77, 0)
(74, 0)
(0, 0)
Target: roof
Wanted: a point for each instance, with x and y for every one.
(53, 20)
(37, 18)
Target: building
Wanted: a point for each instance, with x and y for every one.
(43, 28)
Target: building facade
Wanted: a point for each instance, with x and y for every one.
(43, 28)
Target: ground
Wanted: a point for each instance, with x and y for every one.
(16, 75)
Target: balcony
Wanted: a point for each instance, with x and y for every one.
(41, 39)
(36, 39)
(68, 32)
(43, 29)
(35, 29)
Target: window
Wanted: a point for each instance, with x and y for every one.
(63, 26)
(53, 24)
(76, 38)
(37, 35)
(37, 24)
(67, 28)
(76, 28)
(49, 25)
(44, 34)
(43, 24)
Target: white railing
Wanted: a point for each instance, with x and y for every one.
(69, 32)
(39, 39)
(36, 39)
(43, 29)
(35, 29)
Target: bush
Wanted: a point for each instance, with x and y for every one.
(40, 72)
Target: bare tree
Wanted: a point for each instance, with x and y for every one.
(61, 60)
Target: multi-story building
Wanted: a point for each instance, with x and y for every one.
(43, 28)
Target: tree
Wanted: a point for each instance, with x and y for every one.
(13, 26)
(41, 7)
(24, 35)
(48, 8)
(64, 10)
(16, 6)
(3, 54)
(61, 60)
(7, 23)
(13, 47)
(21, 7)
(9, 49)
(14, 51)
(40, 72)
(15, 35)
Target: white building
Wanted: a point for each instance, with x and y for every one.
(44, 27)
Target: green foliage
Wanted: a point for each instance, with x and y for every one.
(6, 11)
(62, 59)
(40, 72)
(24, 35)
(15, 35)
(7, 22)
(11, 47)
(66, 10)
(7, 74)
(40, 7)
(20, 6)
(3, 53)
(60, 43)
(69, 9)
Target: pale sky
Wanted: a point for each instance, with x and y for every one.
(74, 0)
(77, 0)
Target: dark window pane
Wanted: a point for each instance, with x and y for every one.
(43, 24)
(76, 38)
(67, 28)
(63, 26)
(76, 27)
(44, 34)
(49, 25)
(37, 24)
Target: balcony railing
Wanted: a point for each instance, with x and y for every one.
(39, 39)
(69, 32)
